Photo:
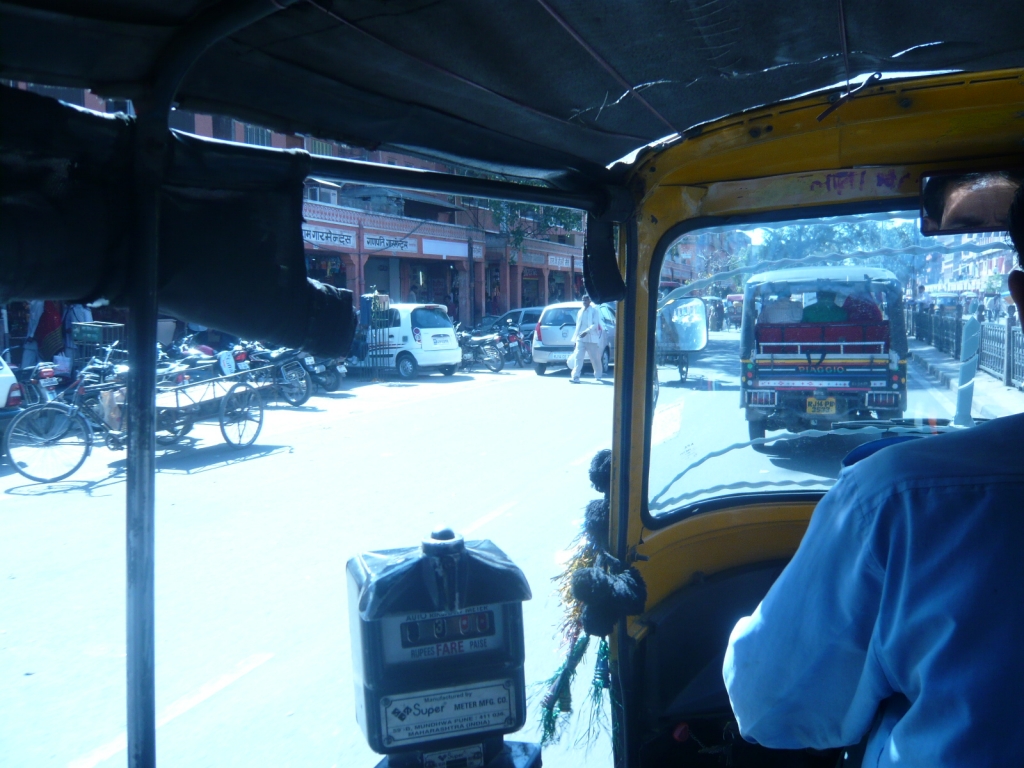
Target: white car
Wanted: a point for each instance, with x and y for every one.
(10, 395)
(420, 337)
(552, 338)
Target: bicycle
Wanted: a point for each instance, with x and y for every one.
(51, 441)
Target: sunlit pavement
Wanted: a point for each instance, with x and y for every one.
(253, 659)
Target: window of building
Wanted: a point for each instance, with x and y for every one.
(319, 147)
(256, 135)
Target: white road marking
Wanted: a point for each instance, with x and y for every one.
(482, 521)
(176, 708)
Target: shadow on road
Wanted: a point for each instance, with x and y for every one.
(89, 487)
(282, 406)
(182, 459)
(186, 460)
(817, 456)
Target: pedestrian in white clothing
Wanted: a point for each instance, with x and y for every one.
(588, 337)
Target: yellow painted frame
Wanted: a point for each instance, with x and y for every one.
(872, 148)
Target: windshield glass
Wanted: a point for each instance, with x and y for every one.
(430, 318)
(830, 333)
(560, 316)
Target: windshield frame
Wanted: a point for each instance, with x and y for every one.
(909, 204)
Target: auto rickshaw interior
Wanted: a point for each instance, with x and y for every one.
(722, 510)
(728, 121)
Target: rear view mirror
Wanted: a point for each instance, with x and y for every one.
(682, 325)
(956, 203)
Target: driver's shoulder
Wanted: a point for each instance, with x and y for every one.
(985, 455)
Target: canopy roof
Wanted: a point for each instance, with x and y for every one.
(544, 88)
(812, 277)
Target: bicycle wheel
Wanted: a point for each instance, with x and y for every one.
(173, 423)
(241, 415)
(47, 443)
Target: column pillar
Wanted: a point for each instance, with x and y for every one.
(544, 271)
(506, 286)
(515, 293)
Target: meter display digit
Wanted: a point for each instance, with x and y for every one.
(459, 627)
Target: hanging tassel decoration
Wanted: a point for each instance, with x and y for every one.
(602, 682)
(556, 705)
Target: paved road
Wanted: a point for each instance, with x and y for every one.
(253, 659)
(253, 653)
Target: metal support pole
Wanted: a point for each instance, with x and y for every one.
(150, 139)
(142, 310)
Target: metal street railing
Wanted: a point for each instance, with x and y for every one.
(1002, 343)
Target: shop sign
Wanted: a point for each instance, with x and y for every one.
(446, 248)
(531, 273)
(389, 243)
(578, 263)
(328, 236)
(559, 261)
(532, 258)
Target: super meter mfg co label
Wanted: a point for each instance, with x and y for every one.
(433, 636)
(445, 712)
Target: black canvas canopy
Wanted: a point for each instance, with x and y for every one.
(552, 89)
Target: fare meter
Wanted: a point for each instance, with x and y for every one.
(437, 652)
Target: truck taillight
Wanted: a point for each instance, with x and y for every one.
(416, 335)
(14, 396)
(536, 332)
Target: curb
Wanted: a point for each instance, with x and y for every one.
(947, 381)
(934, 371)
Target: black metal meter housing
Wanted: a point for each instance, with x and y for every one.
(437, 651)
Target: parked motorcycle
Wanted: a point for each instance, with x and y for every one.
(37, 383)
(488, 349)
(515, 345)
(326, 372)
(289, 375)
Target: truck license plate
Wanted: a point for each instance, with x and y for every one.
(825, 407)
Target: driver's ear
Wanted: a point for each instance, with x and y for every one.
(1015, 282)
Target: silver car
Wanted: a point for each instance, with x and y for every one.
(553, 338)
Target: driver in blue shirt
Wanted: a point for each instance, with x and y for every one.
(901, 616)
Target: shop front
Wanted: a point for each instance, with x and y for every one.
(532, 296)
(327, 268)
(381, 274)
(494, 303)
(558, 286)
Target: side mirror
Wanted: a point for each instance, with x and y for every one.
(682, 325)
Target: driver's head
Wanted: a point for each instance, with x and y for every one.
(1015, 225)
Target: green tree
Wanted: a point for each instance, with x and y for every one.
(521, 221)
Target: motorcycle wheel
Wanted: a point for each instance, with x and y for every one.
(493, 359)
(520, 358)
(448, 370)
(297, 392)
(332, 380)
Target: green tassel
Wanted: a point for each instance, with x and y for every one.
(557, 702)
(602, 681)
